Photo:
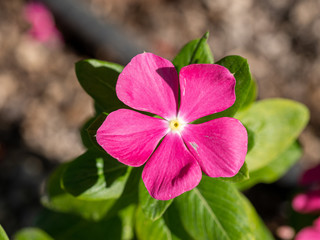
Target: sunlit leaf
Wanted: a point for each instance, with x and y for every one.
(251, 96)
(275, 169)
(147, 229)
(98, 79)
(151, 207)
(195, 51)
(32, 234)
(58, 199)
(241, 176)
(216, 210)
(95, 176)
(127, 216)
(3, 235)
(276, 124)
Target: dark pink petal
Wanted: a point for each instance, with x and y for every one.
(220, 145)
(311, 176)
(307, 202)
(205, 89)
(310, 233)
(131, 137)
(171, 170)
(149, 83)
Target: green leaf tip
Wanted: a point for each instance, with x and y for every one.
(195, 51)
(206, 35)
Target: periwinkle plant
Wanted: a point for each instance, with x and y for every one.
(215, 126)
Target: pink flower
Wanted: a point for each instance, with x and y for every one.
(43, 28)
(174, 150)
(310, 233)
(309, 202)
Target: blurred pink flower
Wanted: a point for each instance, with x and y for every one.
(150, 83)
(43, 27)
(309, 202)
(310, 233)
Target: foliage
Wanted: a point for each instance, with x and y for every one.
(96, 197)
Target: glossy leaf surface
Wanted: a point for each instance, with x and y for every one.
(275, 169)
(276, 124)
(98, 79)
(216, 210)
(241, 176)
(147, 229)
(152, 208)
(95, 176)
(89, 130)
(195, 51)
(251, 96)
(58, 199)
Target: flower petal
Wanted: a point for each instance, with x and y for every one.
(307, 202)
(131, 137)
(310, 233)
(205, 89)
(150, 83)
(220, 145)
(171, 170)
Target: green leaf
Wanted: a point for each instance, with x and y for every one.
(276, 124)
(95, 176)
(98, 79)
(250, 139)
(129, 195)
(3, 235)
(196, 51)
(152, 208)
(127, 216)
(166, 227)
(174, 223)
(241, 176)
(58, 199)
(239, 67)
(85, 138)
(251, 96)
(216, 210)
(68, 227)
(89, 130)
(32, 234)
(147, 229)
(275, 169)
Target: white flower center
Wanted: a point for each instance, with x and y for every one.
(176, 125)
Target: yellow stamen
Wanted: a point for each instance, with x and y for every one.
(176, 125)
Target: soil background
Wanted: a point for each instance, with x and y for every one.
(42, 105)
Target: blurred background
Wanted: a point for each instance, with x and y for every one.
(42, 105)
